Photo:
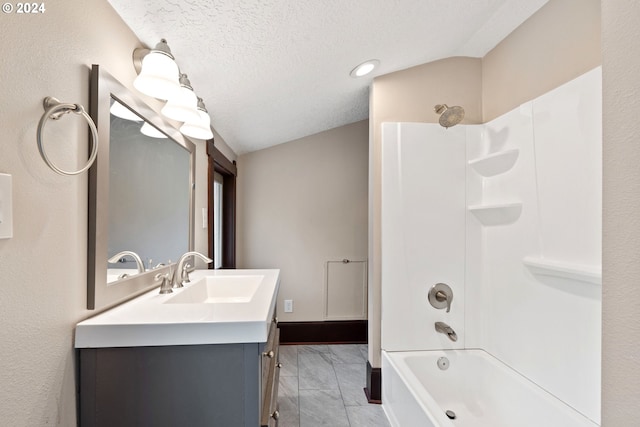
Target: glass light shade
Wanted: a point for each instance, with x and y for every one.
(123, 112)
(183, 107)
(151, 131)
(200, 129)
(159, 76)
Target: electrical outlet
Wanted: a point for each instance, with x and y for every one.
(288, 306)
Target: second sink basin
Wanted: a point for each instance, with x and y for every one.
(218, 290)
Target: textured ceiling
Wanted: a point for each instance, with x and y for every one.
(271, 71)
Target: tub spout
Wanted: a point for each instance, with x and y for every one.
(443, 328)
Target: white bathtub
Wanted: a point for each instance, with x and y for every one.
(481, 390)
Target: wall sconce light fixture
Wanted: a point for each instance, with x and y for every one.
(159, 77)
(201, 128)
(183, 106)
(158, 72)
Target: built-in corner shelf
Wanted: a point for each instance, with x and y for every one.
(546, 267)
(495, 163)
(497, 214)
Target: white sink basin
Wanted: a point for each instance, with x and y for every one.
(218, 290)
(217, 307)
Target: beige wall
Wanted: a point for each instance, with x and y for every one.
(43, 267)
(409, 96)
(621, 224)
(221, 145)
(558, 43)
(301, 204)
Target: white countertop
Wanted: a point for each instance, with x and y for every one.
(148, 320)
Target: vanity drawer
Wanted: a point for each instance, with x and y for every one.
(270, 379)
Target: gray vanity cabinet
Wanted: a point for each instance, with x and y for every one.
(225, 385)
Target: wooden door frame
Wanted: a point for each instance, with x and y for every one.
(218, 162)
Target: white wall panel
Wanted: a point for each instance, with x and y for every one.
(423, 233)
(548, 328)
(568, 127)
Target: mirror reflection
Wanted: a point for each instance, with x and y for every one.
(149, 194)
(140, 195)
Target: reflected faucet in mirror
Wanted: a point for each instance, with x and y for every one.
(120, 255)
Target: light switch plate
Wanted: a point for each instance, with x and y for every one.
(6, 207)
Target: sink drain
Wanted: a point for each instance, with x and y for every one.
(451, 414)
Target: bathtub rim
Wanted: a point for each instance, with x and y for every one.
(421, 396)
(437, 416)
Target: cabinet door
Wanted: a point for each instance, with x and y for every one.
(163, 386)
(270, 379)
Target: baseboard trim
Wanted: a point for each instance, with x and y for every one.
(373, 390)
(328, 332)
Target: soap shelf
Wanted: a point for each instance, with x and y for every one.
(553, 268)
(495, 163)
(497, 214)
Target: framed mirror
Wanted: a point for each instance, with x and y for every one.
(141, 194)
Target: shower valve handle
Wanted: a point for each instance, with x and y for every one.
(441, 296)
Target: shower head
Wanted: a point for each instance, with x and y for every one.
(449, 116)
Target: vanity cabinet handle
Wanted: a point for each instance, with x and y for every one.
(269, 354)
(275, 415)
(279, 365)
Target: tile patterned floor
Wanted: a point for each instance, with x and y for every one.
(322, 385)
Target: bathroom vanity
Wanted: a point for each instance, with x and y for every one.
(204, 355)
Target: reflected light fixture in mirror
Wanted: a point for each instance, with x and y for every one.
(158, 73)
(183, 106)
(200, 129)
(123, 112)
(150, 131)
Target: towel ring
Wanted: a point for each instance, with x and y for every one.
(54, 109)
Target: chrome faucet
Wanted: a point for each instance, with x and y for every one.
(165, 287)
(443, 328)
(117, 258)
(181, 275)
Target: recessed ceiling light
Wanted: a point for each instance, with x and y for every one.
(364, 68)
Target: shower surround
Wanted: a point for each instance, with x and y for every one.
(508, 214)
